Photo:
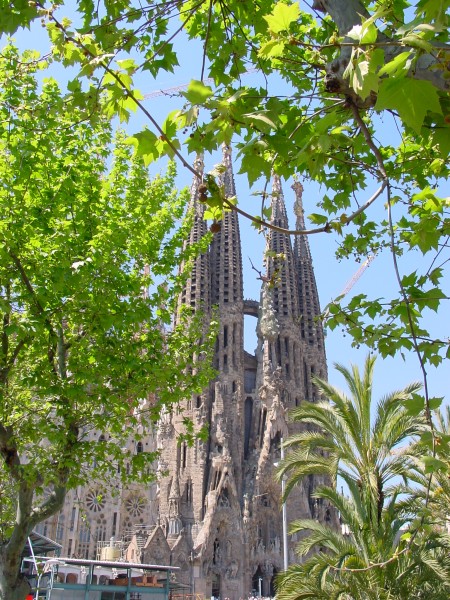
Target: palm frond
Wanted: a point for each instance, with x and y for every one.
(380, 460)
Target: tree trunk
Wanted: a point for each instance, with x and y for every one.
(348, 13)
(13, 585)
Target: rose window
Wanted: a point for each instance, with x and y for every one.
(135, 505)
(95, 501)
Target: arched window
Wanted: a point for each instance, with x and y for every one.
(60, 529)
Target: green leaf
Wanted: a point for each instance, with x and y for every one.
(415, 405)
(364, 34)
(435, 403)
(370, 34)
(128, 64)
(432, 464)
(213, 213)
(186, 118)
(260, 117)
(267, 212)
(401, 62)
(198, 92)
(411, 98)
(363, 81)
(317, 218)
(334, 309)
(146, 145)
(415, 41)
(272, 49)
(256, 223)
(16, 14)
(441, 136)
(283, 15)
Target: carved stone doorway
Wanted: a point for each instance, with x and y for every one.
(215, 589)
(258, 582)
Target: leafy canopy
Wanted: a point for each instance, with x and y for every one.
(362, 109)
(89, 245)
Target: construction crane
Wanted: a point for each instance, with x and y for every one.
(348, 286)
(351, 282)
(183, 86)
(170, 90)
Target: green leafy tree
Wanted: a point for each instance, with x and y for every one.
(364, 563)
(352, 71)
(373, 557)
(347, 442)
(88, 250)
(363, 111)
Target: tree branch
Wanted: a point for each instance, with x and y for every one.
(52, 504)
(8, 450)
(39, 308)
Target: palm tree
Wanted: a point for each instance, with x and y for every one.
(372, 454)
(429, 491)
(367, 564)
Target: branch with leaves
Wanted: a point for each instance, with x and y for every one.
(81, 344)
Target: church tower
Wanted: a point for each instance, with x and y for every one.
(219, 503)
(311, 329)
(215, 511)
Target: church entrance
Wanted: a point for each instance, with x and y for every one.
(215, 590)
(258, 582)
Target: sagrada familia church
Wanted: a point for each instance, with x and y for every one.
(214, 510)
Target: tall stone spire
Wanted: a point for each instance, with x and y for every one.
(310, 324)
(227, 293)
(279, 214)
(226, 255)
(196, 291)
(281, 268)
(280, 377)
(281, 357)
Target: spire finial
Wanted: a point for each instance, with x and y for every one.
(276, 183)
(226, 152)
(298, 204)
(279, 214)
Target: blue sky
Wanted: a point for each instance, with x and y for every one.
(332, 276)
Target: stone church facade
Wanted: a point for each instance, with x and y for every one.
(215, 510)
